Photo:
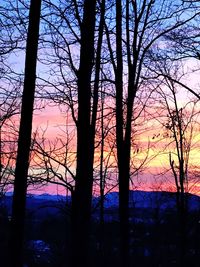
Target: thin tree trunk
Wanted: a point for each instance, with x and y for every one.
(182, 223)
(24, 140)
(102, 186)
(93, 122)
(122, 148)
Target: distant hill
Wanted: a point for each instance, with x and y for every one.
(39, 206)
(47, 204)
(151, 199)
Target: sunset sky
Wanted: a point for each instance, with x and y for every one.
(54, 126)
(151, 143)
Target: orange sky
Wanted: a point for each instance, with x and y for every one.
(53, 122)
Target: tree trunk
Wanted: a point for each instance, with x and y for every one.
(82, 195)
(102, 187)
(24, 140)
(124, 211)
(122, 148)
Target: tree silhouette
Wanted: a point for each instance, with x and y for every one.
(24, 141)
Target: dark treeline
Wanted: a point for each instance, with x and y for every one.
(117, 70)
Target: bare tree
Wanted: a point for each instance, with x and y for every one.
(10, 43)
(140, 29)
(24, 141)
(180, 126)
(8, 110)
